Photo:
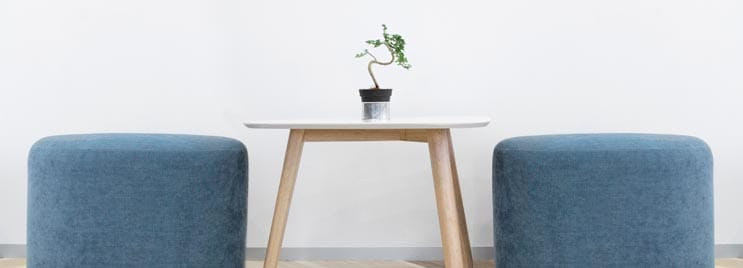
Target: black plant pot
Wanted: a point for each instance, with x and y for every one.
(375, 104)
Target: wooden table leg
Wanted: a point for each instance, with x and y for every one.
(460, 205)
(284, 197)
(457, 252)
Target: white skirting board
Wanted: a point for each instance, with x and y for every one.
(366, 254)
(376, 253)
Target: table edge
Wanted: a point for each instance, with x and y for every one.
(260, 125)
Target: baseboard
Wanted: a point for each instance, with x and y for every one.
(729, 251)
(375, 253)
(12, 251)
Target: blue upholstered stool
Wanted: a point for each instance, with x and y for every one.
(603, 200)
(137, 200)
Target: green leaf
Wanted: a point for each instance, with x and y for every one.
(396, 44)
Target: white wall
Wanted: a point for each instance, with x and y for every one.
(534, 66)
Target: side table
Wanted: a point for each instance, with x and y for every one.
(434, 130)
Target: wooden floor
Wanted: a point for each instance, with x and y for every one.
(20, 263)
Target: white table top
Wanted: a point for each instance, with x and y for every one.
(394, 123)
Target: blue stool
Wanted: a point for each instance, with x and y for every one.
(603, 200)
(137, 200)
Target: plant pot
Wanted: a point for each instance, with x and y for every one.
(375, 104)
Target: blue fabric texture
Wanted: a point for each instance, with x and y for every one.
(137, 200)
(603, 200)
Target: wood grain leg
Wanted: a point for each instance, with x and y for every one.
(460, 205)
(284, 196)
(457, 252)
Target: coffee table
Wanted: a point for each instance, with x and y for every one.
(435, 131)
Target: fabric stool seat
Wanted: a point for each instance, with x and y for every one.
(136, 200)
(603, 200)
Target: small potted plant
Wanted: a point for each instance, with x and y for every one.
(376, 101)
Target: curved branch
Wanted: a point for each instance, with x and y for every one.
(369, 67)
(370, 54)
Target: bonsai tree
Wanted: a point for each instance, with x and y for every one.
(396, 46)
